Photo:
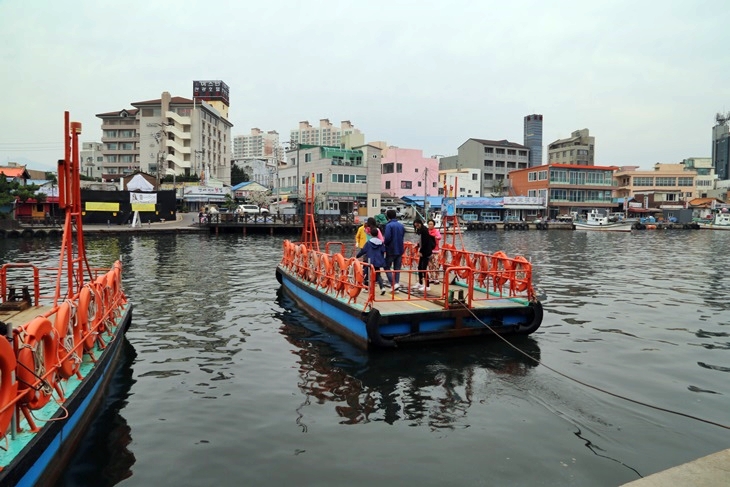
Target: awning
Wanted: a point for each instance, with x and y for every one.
(205, 198)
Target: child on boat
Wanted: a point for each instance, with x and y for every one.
(374, 251)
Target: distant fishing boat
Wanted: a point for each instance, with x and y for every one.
(600, 222)
(477, 294)
(64, 334)
(720, 221)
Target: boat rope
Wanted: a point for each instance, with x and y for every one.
(43, 384)
(590, 386)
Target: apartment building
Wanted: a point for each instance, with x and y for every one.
(92, 159)
(406, 172)
(166, 136)
(532, 133)
(346, 179)
(258, 145)
(566, 188)
(326, 134)
(576, 150)
(493, 158)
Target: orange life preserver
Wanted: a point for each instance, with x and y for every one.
(339, 267)
(69, 335)
(481, 268)
(500, 269)
(9, 385)
(29, 370)
(355, 278)
(521, 274)
(326, 274)
(301, 260)
(87, 314)
(104, 296)
(312, 266)
(409, 254)
(285, 253)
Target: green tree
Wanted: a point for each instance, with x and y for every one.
(12, 190)
(238, 175)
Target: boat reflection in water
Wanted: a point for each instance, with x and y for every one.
(434, 388)
(103, 457)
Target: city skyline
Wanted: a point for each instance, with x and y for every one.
(646, 82)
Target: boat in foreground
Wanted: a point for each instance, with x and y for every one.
(720, 221)
(63, 339)
(601, 222)
(476, 294)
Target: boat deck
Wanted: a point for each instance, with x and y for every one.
(19, 318)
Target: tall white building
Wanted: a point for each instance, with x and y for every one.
(258, 145)
(92, 159)
(165, 136)
(326, 134)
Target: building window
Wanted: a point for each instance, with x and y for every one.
(387, 185)
(388, 168)
(399, 167)
(542, 175)
(499, 164)
(665, 181)
(406, 185)
(488, 163)
(419, 184)
(319, 177)
(523, 153)
(488, 150)
(642, 181)
(308, 157)
(500, 151)
(532, 176)
(474, 177)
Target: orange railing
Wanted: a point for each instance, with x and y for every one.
(496, 276)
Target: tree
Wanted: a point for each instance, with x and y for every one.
(498, 187)
(12, 190)
(238, 175)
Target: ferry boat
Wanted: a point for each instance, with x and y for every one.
(477, 294)
(63, 339)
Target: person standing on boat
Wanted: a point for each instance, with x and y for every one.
(425, 250)
(360, 237)
(365, 233)
(394, 233)
(374, 251)
(433, 263)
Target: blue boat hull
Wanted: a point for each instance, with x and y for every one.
(43, 459)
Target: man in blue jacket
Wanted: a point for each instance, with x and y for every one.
(393, 236)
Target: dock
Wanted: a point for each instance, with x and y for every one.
(710, 471)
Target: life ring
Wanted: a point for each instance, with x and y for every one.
(481, 268)
(104, 296)
(86, 315)
(355, 278)
(39, 337)
(521, 278)
(285, 253)
(465, 261)
(445, 255)
(409, 254)
(302, 260)
(312, 266)
(326, 275)
(339, 267)
(500, 269)
(69, 335)
(9, 385)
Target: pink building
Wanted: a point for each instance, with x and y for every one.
(405, 172)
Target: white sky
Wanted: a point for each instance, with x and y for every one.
(646, 77)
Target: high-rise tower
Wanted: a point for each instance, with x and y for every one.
(721, 146)
(533, 138)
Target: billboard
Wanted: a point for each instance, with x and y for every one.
(210, 91)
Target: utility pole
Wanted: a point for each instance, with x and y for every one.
(161, 137)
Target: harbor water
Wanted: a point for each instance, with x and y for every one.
(227, 383)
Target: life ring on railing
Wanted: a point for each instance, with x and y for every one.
(312, 266)
(409, 254)
(355, 278)
(326, 276)
(104, 296)
(285, 255)
(521, 274)
(69, 335)
(481, 268)
(302, 260)
(339, 267)
(500, 269)
(86, 315)
(9, 385)
(39, 333)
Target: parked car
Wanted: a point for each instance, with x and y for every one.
(251, 210)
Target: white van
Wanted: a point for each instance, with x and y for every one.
(251, 210)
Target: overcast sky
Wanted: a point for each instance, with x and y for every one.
(645, 77)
